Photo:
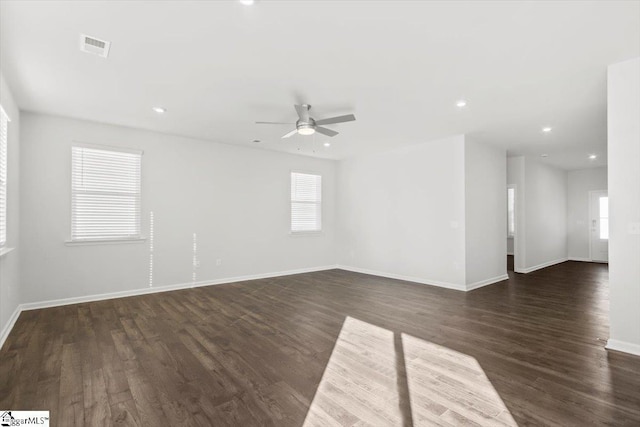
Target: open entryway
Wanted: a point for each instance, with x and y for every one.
(511, 226)
(599, 226)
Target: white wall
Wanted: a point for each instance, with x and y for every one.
(515, 177)
(624, 204)
(402, 212)
(236, 200)
(546, 214)
(433, 212)
(10, 262)
(579, 184)
(485, 212)
(541, 213)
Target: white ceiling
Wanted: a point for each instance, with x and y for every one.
(400, 66)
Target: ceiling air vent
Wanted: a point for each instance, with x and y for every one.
(93, 45)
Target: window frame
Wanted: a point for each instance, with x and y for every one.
(4, 161)
(321, 210)
(511, 234)
(139, 238)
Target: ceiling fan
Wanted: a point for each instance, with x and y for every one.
(307, 125)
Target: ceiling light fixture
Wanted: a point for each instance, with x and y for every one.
(306, 129)
(547, 129)
(461, 103)
(247, 2)
(159, 110)
(327, 144)
(593, 157)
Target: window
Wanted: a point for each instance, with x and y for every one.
(511, 211)
(4, 125)
(105, 194)
(306, 202)
(604, 218)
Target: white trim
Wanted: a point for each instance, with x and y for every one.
(2, 110)
(487, 282)
(305, 233)
(152, 290)
(422, 281)
(85, 242)
(4, 251)
(511, 187)
(623, 346)
(117, 148)
(510, 253)
(540, 266)
(581, 259)
(9, 326)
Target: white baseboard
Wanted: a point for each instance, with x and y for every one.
(9, 326)
(540, 266)
(487, 282)
(156, 289)
(422, 281)
(623, 346)
(573, 258)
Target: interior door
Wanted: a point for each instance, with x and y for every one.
(599, 225)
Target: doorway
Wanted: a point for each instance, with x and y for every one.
(511, 226)
(599, 226)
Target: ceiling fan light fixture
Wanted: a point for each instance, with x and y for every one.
(306, 130)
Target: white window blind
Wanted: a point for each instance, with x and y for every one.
(306, 202)
(105, 199)
(4, 125)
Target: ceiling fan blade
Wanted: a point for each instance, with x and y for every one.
(293, 132)
(303, 112)
(339, 119)
(326, 131)
(274, 123)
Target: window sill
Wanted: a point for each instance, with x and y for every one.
(104, 242)
(305, 233)
(4, 251)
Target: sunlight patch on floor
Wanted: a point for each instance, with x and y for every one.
(364, 380)
(359, 382)
(448, 386)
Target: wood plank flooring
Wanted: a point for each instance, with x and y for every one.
(330, 348)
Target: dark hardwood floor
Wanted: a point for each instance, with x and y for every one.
(254, 353)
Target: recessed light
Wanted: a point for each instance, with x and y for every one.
(159, 110)
(461, 103)
(327, 144)
(593, 157)
(544, 155)
(247, 2)
(547, 129)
